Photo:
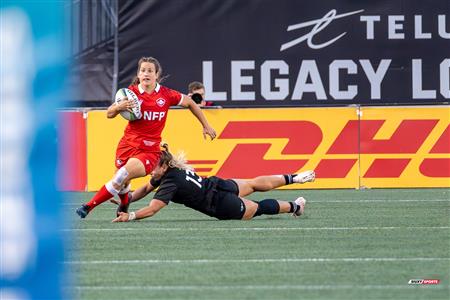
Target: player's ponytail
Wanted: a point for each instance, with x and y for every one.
(167, 158)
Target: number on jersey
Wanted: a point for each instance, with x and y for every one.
(192, 177)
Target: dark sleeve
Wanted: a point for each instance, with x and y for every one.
(155, 183)
(166, 191)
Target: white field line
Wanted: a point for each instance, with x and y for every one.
(332, 201)
(254, 228)
(254, 287)
(381, 200)
(256, 260)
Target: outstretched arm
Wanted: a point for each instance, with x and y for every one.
(141, 192)
(154, 206)
(197, 112)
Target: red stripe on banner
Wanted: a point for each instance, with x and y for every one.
(201, 162)
(247, 161)
(303, 136)
(435, 167)
(334, 168)
(443, 143)
(72, 152)
(347, 140)
(407, 138)
(387, 167)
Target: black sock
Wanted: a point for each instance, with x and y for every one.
(294, 207)
(289, 178)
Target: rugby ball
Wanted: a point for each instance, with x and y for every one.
(136, 113)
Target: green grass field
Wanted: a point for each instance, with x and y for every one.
(349, 245)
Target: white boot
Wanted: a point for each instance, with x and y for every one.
(301, 202)
(307, 176)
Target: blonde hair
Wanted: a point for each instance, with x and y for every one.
(179, 161)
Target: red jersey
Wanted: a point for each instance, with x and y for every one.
(145, 133)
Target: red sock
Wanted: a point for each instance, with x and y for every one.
(102, 195)
(124, 198)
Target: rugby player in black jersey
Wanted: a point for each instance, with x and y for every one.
(213, 196)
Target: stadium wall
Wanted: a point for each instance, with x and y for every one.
(349, 147)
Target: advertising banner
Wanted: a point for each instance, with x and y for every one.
(103, 135)
(402, 147)
(72, 151)
(294, 53)
(347, 147)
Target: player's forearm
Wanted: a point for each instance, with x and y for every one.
(145, 212)
(197, 112)
(154, 206)
(140, 193)
(112, 111)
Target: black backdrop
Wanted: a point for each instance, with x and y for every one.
(234, 47)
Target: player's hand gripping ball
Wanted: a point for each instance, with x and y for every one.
(135, 112)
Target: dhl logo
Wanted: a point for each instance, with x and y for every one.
(356, 141)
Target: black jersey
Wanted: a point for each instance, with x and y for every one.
(213, 196)
(184, 187)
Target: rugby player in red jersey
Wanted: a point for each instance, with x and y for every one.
(139, 149)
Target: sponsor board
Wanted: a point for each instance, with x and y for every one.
(348, 147)
(323, 54)
(405, 147)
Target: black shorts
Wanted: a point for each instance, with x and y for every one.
(228, 204)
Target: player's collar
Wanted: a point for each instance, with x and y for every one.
(141, 89)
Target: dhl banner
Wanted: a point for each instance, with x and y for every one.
(348, 147)
(402, 147)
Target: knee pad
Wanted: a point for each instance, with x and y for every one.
(120, 176)
(267, 207)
